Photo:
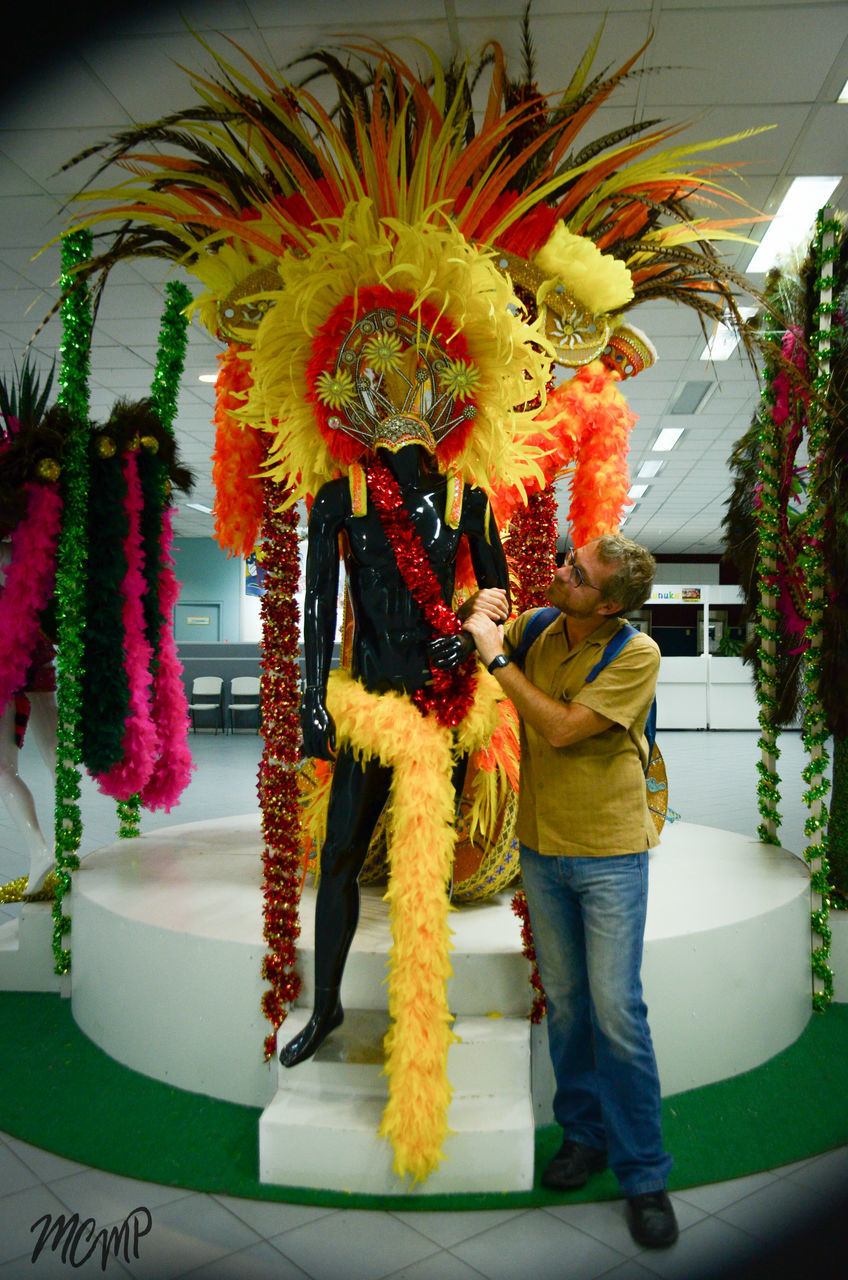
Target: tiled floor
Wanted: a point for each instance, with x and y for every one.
(726, 1228)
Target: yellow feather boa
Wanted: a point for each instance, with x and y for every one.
(388, 727)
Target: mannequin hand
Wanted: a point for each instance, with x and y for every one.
(446, 652)
(487, 635)
(317, 727)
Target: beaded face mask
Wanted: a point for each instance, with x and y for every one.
(394, 384)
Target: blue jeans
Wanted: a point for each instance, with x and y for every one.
(588, 920)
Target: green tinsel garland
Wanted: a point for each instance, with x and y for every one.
(814, 731)
(170, 358)
(170, 363)
(765, 626)
(838, 826)
(70, 580)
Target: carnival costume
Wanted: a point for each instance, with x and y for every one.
(387, 266)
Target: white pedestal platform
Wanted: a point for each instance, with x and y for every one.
(167, 947)
(26, 952)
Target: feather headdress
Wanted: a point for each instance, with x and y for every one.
(284, 211)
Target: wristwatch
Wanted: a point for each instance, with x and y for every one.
(500, 661)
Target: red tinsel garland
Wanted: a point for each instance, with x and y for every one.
(540, 1002)
(452, 692)
(531, 549)
(278, 790)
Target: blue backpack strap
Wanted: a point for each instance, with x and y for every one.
(613, 648)
(541, 619)
(651, 731)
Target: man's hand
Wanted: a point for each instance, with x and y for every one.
(491, 601)
(487, 634)
(446, 652)
(317, 727)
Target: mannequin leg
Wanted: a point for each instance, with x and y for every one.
(458, 780)
(43, 727)
(357, 797)
(21, 806)
(43, 722)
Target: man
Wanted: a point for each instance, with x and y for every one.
(584, 830)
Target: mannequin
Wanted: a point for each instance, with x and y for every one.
(41, 695)
(393, 649)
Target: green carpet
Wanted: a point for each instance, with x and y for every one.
(60, 1092)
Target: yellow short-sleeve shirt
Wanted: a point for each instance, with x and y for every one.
(589, 799)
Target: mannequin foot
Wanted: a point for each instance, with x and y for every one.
(324, 1020)
(39, 869)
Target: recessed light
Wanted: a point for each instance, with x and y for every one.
(693, 396)
(198, 506)
(637, 490)
(207, 377)
(794, 220)
(650, 468)
(667, 439)
(843, 97)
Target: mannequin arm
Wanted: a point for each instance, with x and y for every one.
(319, 620)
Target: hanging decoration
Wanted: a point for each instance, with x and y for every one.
(106, 695)
(159, 473)
(29, 584)
(237, 459)
(539, 1007)
(768, 618)
(800, 518)
(815, 730)
(278, 788)
(71, 562)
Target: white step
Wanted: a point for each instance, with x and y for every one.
(489, 972)
(492, 1056)
(321, 1129)
(26, 952)
(330, 1139)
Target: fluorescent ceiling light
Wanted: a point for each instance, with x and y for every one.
(667, 439)
(637, 490)
(198, 506)
(843, 97)
(794, 220)
(207, 377)
(650, 468)
(725, 340)
(692, 398)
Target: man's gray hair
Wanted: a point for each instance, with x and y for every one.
(631, 583)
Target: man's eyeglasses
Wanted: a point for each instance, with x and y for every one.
(576, 577)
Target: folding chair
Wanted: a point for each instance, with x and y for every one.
(207, 694)
(244, 696)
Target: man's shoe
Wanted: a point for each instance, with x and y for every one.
(572, 1166)
(651, 1220)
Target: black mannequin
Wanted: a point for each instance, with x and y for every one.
(392, 648)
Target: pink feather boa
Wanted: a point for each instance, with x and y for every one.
(791, 404)
(174, 766)
(133, 771)
(30, 581)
